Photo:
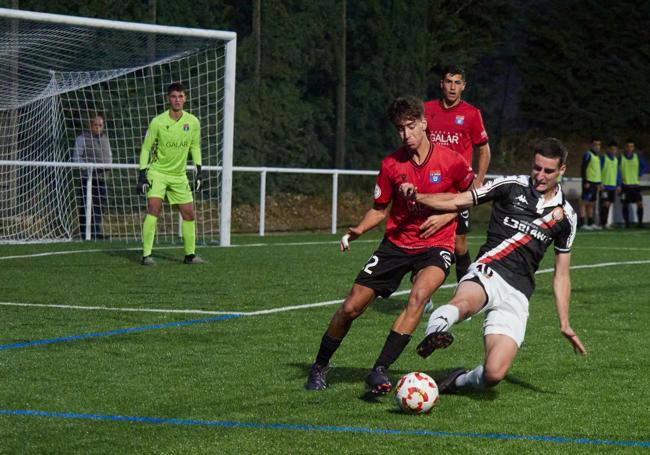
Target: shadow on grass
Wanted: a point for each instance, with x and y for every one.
(134, 256)
(510, 379)
(349, 375)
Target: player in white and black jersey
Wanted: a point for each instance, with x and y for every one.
(528, 214)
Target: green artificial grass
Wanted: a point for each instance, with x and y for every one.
(236, 385)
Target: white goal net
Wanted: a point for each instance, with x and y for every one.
(62, 74)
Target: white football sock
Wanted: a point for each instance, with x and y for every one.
(473, 379)
(442, 319)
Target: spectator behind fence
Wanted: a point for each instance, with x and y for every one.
(93, 147)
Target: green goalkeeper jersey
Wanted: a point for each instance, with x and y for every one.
(169, 141)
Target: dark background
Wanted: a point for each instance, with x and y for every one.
(559, 68)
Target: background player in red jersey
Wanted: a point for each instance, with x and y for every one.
(434, 169)
(529, 213)
(458, 125)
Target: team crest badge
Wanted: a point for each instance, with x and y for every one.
(558, 214)
(460, 120)
(435, 177)
(186, 127)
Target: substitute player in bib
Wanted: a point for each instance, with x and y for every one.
(632, 167)
(171, 136)
(458, 125)
(402, 250)
(528, 214)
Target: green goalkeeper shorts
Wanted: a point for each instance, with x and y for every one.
(175, 188)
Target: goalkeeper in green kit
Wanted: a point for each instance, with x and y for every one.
(171, 136)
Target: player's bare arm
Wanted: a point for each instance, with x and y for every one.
(370, 220)
(447, 202)
(562, 292)
(484, 155)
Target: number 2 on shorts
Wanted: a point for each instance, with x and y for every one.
(371, 263)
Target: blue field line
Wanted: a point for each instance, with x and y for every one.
(27, 344)
(323, 428)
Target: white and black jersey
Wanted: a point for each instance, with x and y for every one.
(522, 227)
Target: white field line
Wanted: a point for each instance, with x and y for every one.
(286, 308)
(106, 308)
(246, 245)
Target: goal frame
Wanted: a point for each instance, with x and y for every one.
(230, 39)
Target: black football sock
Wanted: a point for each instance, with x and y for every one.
(626, 215)
(395, 344)
(590, 220)
(639, 216)
(328, 347)
(604, 213)
(462, 264)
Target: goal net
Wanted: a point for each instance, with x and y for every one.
(63, 72)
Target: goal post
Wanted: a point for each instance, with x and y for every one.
(63, 71)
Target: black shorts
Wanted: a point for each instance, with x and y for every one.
(631, 194)
(387, 266)
(589, 194)
(462, 222)
(608, 195)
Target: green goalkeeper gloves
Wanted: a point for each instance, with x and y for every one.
(143, 183)
(198, 179)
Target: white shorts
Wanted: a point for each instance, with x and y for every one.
(506, 311)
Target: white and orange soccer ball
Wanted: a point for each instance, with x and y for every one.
(416, 393)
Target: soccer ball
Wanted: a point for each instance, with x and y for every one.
(416, 393)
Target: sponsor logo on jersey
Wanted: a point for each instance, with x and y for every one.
(526, 228)
(175, 144)
(435, 177)
(460, 119)
(444, 138)
(186, 127)
(377, 191)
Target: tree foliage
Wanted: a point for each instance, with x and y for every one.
(560, 67)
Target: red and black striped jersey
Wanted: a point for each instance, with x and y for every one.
(522, 226)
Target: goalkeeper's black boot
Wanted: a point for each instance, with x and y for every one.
(433, 341)
(378, 382)
(317, 379)
(194, 259)
(147, 260)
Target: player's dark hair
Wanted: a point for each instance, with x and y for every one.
(453, 70)
(175, 87)
(595, 138)
(551, 147)
(405, 108)
(612, 143)
(629, 141)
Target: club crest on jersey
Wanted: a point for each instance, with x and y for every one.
(558, 214)
(435, 177)
(460, 119)
(186, 127)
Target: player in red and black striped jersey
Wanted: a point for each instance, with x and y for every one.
(529, 214)
(459, 126)
(403, 250)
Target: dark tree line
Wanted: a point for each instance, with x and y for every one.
(554, 67)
